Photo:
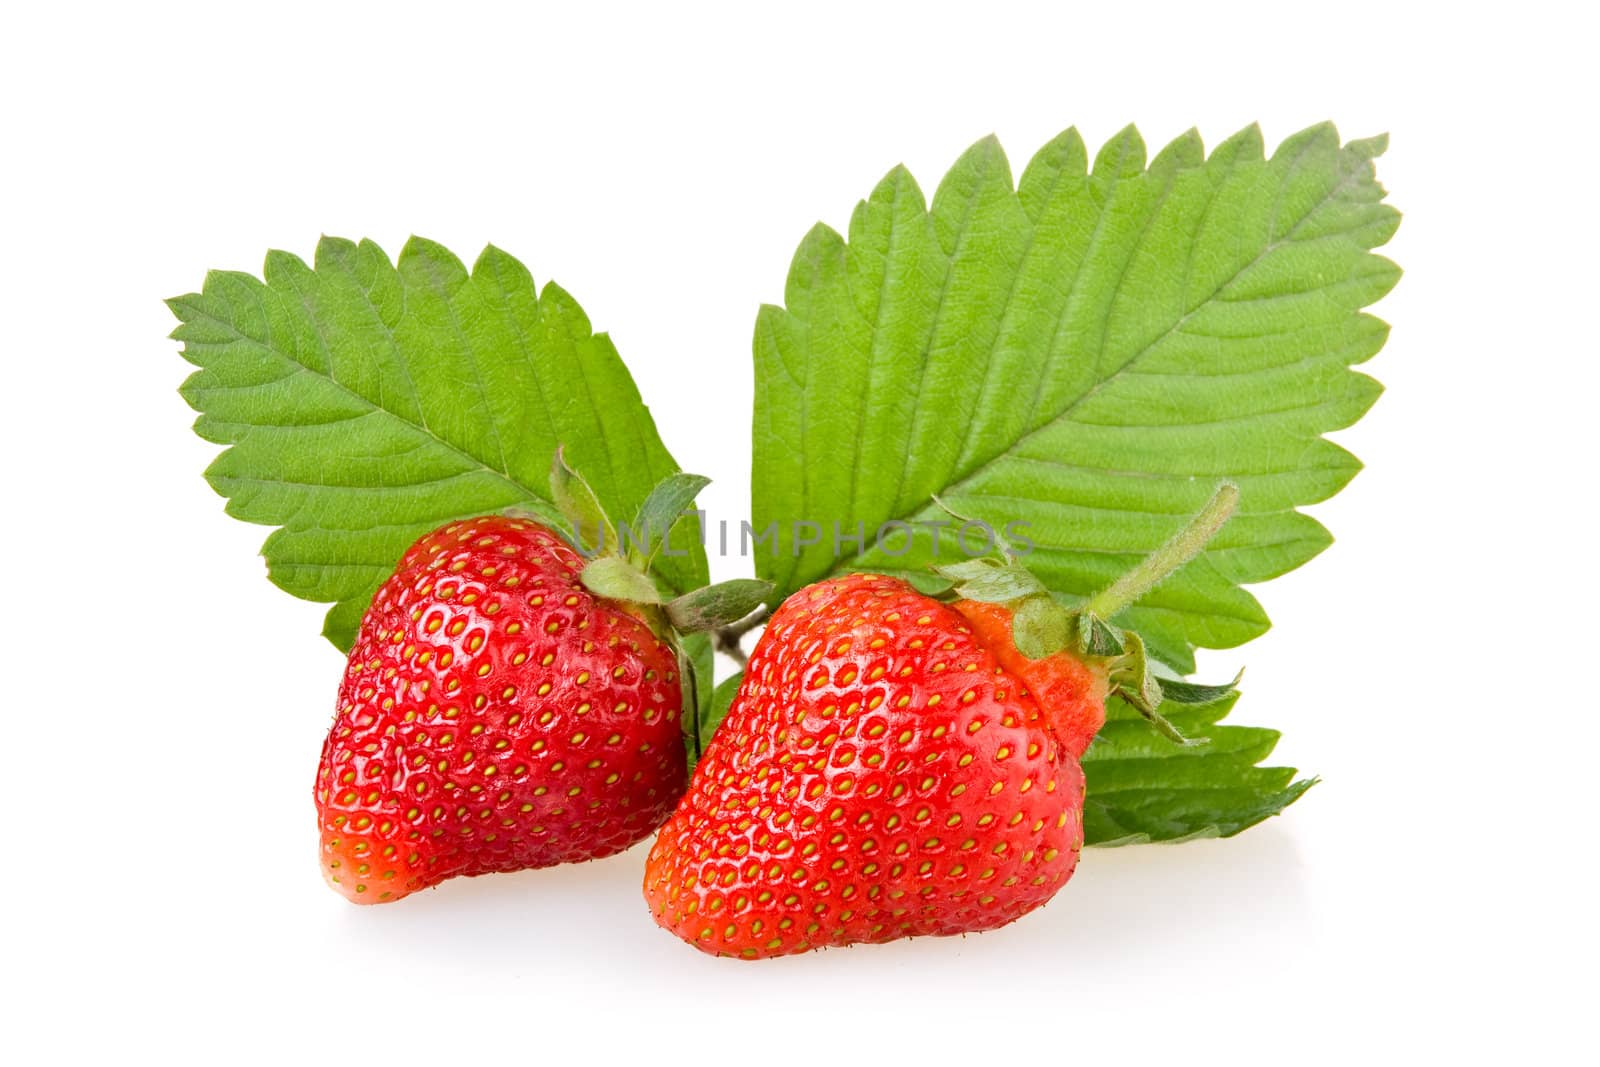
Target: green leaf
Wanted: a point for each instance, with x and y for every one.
(364, 403)
(1088, 353)
(1144, 787)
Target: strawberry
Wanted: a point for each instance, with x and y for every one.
(495, 715)
(893, 766)
(879, 775)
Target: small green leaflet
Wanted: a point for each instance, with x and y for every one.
(365, 402)
(1089, 352)
(1143, 787)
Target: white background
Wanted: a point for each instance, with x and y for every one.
(163, 704)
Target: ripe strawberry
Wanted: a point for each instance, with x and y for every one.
(880, 774)
(495, 714)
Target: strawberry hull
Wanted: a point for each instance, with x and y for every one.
(494, 715)
(879, 775)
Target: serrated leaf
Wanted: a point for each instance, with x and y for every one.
(1088, 353)
(364, 402)
(1144, 787)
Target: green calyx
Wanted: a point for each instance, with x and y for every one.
(620, 557)
(1041, 625)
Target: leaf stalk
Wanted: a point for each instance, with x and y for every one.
(1184, 546)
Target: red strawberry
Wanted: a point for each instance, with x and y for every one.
(494, 715)
(880, 774)
(891, 766)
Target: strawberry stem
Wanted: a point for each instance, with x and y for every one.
(1184, 546)
(730, 645)
(730, 639)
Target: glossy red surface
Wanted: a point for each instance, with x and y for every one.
(494, 715)
(878, 776)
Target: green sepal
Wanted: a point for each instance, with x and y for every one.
(1131, 674)
(1176, 691)
(1132, 679)
(991, 580)
(615, 578)
(576, 500)
(660, 512)
(1163, 726)
(1040, 627)
(1094, 638)
(717, 605)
